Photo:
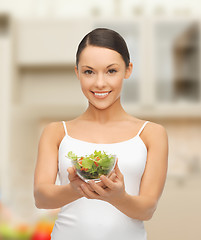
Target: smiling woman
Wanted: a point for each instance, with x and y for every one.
(102, 77)
(116, 207)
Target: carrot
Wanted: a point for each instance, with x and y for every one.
(96, 164)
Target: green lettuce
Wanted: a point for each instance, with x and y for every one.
(94, 165)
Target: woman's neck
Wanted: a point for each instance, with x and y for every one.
(115, 112)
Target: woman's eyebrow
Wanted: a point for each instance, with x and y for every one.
(106, 67)
(86, 66)
(112, 64)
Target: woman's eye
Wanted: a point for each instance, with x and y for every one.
(88, 72)
(112, 71)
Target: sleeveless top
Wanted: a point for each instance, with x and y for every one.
(92, 219)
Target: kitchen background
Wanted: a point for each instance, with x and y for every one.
(38, 41)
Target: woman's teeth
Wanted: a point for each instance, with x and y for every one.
(101, 94)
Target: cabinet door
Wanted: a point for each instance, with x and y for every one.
(177, 58)
(49, 42)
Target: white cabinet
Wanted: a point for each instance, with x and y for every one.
(45, 58)
(49, 42)
(177, 60)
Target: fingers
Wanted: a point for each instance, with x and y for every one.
(86, 192)
(71, 170)
(90, 188)
(71, 173)
(98, 189)
(108, 182)
(111, 173)
(101, 184)
(113, 176)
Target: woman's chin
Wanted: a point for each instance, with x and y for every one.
(102, 105)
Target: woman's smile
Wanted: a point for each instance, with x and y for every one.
(101, 94)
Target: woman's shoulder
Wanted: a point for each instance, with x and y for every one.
(151, 132)
(155, 129)
(53, 127)
(150, 126)
(55, 131)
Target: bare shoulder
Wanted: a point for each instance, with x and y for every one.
(155, 132)
(155, 129)
(151, 133)
(151, 128)
(54, 126)
(54, 131)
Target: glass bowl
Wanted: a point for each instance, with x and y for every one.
(91, 167)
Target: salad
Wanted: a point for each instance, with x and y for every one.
(94, 165)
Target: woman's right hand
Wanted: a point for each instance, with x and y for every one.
(76, 181)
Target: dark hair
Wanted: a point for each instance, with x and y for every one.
(107, 38)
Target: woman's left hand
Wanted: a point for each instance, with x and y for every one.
(114, 189)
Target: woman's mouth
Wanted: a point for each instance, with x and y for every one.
(100, 94)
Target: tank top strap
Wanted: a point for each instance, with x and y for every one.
(142, 128)
(65, 129)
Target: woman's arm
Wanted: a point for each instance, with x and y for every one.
(142, 206)
(48, 195)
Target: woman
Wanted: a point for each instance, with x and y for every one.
(116, 207)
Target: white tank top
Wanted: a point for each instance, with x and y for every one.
(92, 219)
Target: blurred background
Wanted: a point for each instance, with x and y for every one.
(38, 41)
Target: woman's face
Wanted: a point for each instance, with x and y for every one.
(101, 72)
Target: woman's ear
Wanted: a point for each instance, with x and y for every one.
(76, 72)
(129, 70)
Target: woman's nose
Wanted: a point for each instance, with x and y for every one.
(100, 81)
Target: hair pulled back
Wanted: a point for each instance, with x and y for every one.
(107, 38)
